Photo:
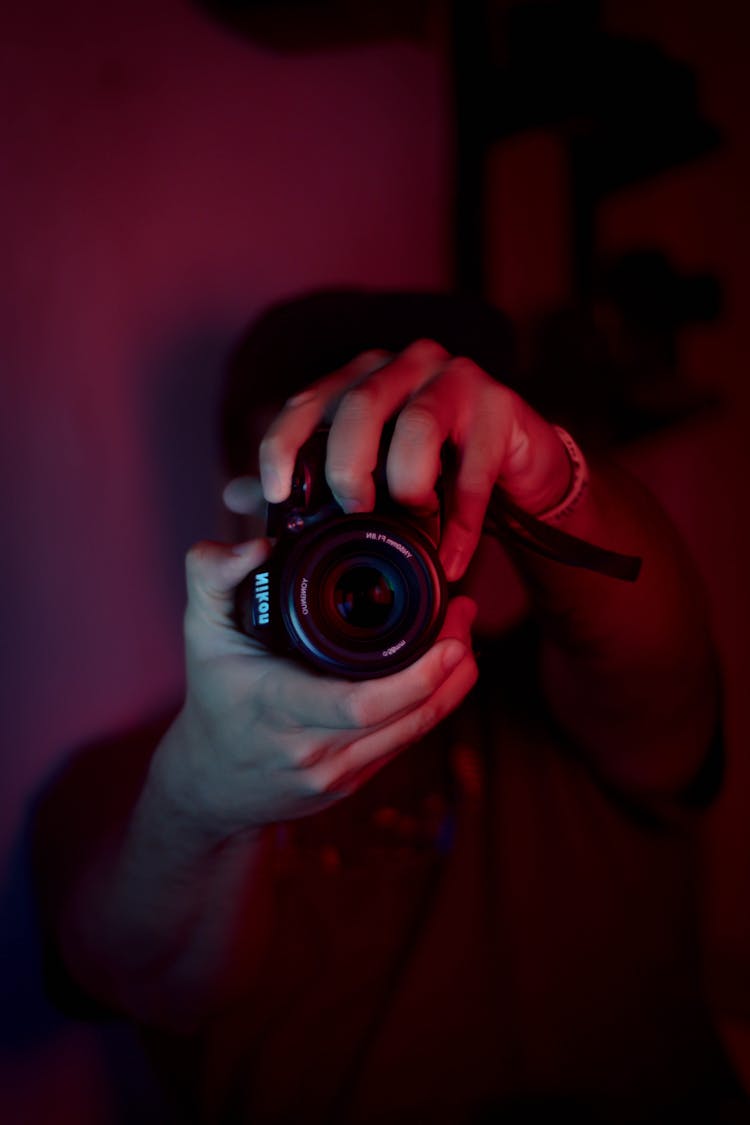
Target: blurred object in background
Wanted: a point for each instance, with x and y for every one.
(614, 111)
(618, 353)
(622, 108)
(305, 25)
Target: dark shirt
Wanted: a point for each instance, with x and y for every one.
(487, 930)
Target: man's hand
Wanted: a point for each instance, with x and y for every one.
(496, 436)
(628, 669)
(261, 739)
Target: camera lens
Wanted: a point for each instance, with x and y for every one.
(357, 598)
(364, 597)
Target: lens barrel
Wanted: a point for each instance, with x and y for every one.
(362, 596)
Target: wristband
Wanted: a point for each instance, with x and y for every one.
(510, 524)
(578, 485)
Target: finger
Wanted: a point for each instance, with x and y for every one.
(354, 764)
(214, 570)
(459, 618)
(466, 511)
(298, 420)
(331, 704)
(414, 456)
(481, 439)
(356, 431)
(244, 496)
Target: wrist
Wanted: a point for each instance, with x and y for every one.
(538, 473)
(183, 793)
(578, 482)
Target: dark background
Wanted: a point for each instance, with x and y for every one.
(166, 176)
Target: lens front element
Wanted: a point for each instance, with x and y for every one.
(364, 597)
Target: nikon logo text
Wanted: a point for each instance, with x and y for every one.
(261, 597)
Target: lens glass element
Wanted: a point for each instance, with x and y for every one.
(364, 597)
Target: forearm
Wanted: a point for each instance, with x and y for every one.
(629, 668)
(151, 927)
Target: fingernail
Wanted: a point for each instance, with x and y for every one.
(453, 654)
(351, 504)
(453, 565)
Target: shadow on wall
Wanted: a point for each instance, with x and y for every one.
(180, 460)
(182, 449)
(33, 1032)
(26, 1016)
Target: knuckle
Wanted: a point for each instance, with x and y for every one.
(427, 717)
(290, 755)
(425, 678)
(466, 370)
(427, 348)
(196, 558)
(356, 708)
(476, 485)
(375, 356)
(418, 423)
(309, 756)
(360, 401)
(318, 781)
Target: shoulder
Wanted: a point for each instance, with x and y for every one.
(97, 780)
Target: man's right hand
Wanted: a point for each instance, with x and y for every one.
(262, 739)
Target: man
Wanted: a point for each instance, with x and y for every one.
(459, 893)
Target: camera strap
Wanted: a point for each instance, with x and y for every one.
(509, 523)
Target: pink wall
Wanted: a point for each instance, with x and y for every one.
(162, 182)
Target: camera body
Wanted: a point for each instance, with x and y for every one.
(356, 596)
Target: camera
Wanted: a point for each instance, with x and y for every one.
(357, 596)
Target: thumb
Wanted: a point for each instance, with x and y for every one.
(459, 618)
(213, 572)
